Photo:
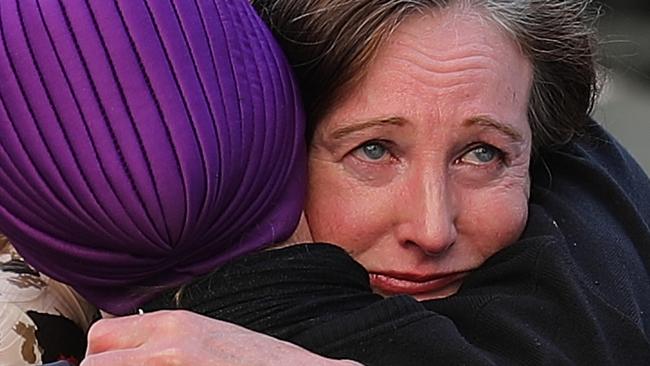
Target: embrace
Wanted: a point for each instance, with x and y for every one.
(291, 182)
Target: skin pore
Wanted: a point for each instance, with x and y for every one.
(421, 171)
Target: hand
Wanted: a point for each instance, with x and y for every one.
(183, 338)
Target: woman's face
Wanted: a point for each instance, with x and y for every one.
(421, 173)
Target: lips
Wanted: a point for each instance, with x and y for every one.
(422, 287)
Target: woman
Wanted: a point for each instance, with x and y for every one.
(413, 99)
(477, 285)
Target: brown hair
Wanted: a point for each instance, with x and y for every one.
(330, 43)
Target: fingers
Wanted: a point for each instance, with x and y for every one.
(183, 338)
(161, 338)
(115, 358)
(133, 331)
(118, 333)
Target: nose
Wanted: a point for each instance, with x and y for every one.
(428, 216)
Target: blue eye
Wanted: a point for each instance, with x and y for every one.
(373, 151)
(482, 154)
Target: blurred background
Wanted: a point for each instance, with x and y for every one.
(624, 105)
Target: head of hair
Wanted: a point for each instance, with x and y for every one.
(330, 42)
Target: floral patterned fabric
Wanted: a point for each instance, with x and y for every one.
(41, 319)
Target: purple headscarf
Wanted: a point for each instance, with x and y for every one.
(144, 143)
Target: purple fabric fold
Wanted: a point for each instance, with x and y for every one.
(144, 143)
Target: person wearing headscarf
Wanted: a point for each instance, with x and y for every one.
(143, 144)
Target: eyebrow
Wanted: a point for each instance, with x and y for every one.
(500, 126)
(340, 133)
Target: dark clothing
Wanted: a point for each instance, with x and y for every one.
(574, 289)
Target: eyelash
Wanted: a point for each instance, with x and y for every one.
(386, 145)
(502, 157)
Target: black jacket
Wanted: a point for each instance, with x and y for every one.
(574, 290)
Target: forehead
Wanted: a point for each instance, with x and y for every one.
(453, 42)
(441, 33)
(451, 58)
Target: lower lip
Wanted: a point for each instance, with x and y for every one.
(435, 288)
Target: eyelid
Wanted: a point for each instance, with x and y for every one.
(502, 155)
(388, 145)
(385, 143)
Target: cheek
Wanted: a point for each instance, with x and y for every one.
(494, 219)
(343, 213)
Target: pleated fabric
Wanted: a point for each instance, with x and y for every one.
(144, 142)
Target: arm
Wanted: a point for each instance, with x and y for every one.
(527, 305)
(571, 292)
(185, 338)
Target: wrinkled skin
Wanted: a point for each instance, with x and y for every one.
(435, 183)
(168, 338)
(421, 173)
